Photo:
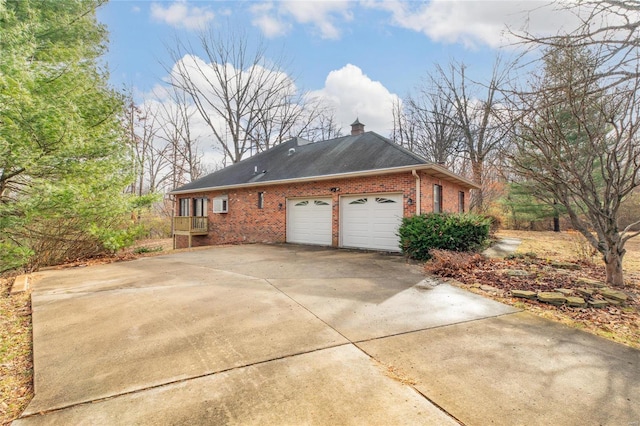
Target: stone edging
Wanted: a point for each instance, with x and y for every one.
(594, 298)
(20, 284)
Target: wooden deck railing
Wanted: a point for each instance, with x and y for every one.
(191, 224)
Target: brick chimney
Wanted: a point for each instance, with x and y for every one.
(357, 128)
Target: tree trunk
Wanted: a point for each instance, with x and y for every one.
(477, 196)
(613, 268)
(556, 217)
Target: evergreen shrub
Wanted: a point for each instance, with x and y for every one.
(443, 231)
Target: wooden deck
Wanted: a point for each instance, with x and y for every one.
(190, 225)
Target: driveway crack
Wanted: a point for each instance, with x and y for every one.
(178, 381)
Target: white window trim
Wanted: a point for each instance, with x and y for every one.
(184, 207)
(438, 198)
(202, 211)
(221, 204)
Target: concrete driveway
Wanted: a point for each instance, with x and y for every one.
(263, 334)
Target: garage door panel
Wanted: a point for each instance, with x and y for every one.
(309, 221)
(371, 221)
(386, 241)
(361, 226)
(383, 223)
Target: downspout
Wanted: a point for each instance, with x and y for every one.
(418, 199)
(172, 200)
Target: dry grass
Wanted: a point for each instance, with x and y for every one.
(16, 363)
(570, 246)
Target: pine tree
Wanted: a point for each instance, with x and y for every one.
(64, 159)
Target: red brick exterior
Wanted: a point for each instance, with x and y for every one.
(246, 223)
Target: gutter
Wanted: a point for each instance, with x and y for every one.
(440, 172)
(418, 197)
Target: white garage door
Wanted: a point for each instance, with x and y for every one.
(371, 221)
(309, 221)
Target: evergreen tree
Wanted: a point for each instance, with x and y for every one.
(64, 159)
(526, 205)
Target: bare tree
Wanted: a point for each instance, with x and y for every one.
(476, 106)
(425, 124)
(299, 115)
(404, 126)
(456, 121)
(610, 26)
(247, 101)
(320, 124)
(176, 118)
(436, 117)
(147, 159)
(163, 151)
(576, 137)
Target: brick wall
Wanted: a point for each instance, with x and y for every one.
(450, 193)
(246, 223)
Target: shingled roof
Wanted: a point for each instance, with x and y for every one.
(302, 160)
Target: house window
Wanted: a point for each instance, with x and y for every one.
(461, 202)
(437, 198)
(221, 204)
(381, 200)
(359, 201)
(184, 207)
(260, 200)
(199, 207)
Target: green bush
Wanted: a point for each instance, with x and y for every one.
(145, 249)
(455, 232)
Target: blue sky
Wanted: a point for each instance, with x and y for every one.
(397, 57)
(360, 55)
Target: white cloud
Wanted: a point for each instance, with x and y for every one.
(325, 17)
(474, 22)
(264, 19)
(160, 104)
(351, 92)
(355, 95)
(202, 75)
(181, 14)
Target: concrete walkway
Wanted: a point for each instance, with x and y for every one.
(503, 248)
(300, 335)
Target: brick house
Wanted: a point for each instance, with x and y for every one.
(351, 191)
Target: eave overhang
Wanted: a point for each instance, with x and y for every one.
(434, 170)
